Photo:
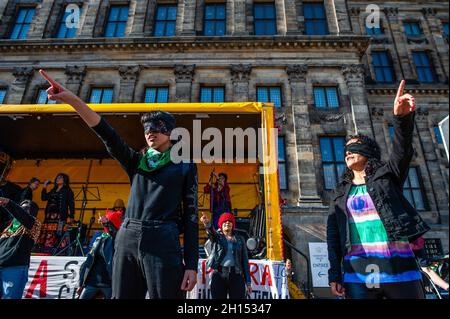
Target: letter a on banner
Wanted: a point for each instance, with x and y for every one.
(39, 278)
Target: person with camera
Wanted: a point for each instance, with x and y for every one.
(220, 196)
(16, 243)
(96, 271)
(228, 259)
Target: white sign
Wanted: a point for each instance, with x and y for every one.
(318, 257)
(443, 128)
(268, 280)
(51, 277)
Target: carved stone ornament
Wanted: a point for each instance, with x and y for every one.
(391, 11)
(184, 73)
(23, 74)
(75, 73)
(353, 73)
(297, 72)
(241, 72)
(129, 73)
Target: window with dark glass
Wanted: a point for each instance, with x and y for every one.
(42, 97)
(315, 18)
(269, 94)
(326, 97)
(333, 160)
(412, 28)
(282, 163)
(2, 95)
(117, 21)
(265, 19)
(165, 22)
(445, 29)
(424, 67)
(437, 134)
(22, 23)
(156, 95)
(215, 19)
(382, 65)
(210, 94)
(101, 95)
(374, 30)
(67, 27)
(412, 189)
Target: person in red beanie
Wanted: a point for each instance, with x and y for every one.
(96, 271)
(228, 259)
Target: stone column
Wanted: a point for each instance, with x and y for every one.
(342, 17)
(128, 78)
(185, 24)
(75, 75)
(240, 17)
(2, 8)
(378, 128)
(184, 75)
(230, 16)
(292, 27)
(431, 173)
(17, 89)
(88, 25)
(354, 19)
(359, 116)
(37, 28)
(137, 29)
(280, 10)
(307, 183)
(441, 47)
(399, 39)
(240, 75)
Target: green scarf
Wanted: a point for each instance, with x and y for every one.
(14, 226)
(105, 235)
(153, 160)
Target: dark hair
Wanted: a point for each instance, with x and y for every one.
(224, 175)
(65, 179)
(34, 179)
(30, 206)
(373, 163)
(166, 117)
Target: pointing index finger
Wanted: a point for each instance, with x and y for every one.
(49, 79)
(401, 87)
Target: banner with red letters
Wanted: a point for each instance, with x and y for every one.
(54, 277)
(268, 278)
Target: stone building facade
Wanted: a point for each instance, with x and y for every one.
(292, 58)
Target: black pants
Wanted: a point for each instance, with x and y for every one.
(398, 290)
(225, 283)
(147, 258)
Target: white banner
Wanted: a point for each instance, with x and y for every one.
(52, 277)
(268, 280)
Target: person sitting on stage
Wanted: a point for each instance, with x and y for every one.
(228, 259)
(27, 192)
(221, 201)
(16, 242)
(96, 271)
(60, 210)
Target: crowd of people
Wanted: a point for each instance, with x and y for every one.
(138, 254)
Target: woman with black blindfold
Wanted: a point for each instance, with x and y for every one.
(162, 202)
(371, 223)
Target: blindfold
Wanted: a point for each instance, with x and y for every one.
(362, 149)
(157, 126)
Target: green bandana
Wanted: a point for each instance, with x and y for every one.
(14, 226)
(153, 160)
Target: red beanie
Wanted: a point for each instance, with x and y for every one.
(115, 217)
(226, 217)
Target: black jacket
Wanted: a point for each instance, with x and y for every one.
(219, 250)
(62, 202)
(167, 194)
(385, 187)
(15, 248)
(26, 193)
